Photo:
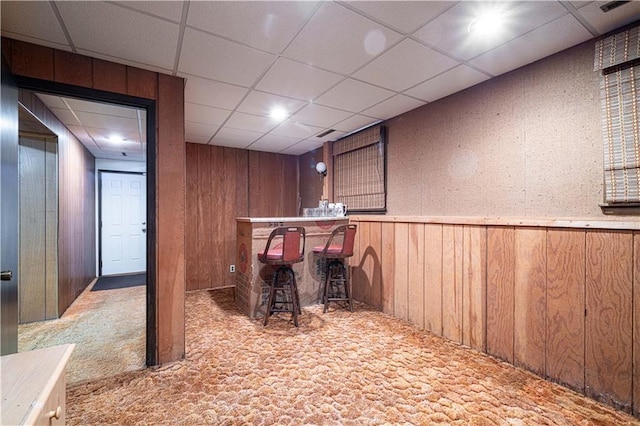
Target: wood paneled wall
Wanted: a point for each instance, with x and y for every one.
(76, 206)
(47, 64)
(222, 184)
(38, 286)
(558, 301)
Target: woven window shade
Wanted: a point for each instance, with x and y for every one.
(359, 170)
(619, 89)
(621, 135)
(617, 49)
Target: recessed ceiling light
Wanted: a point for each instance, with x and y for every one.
(488, 23)
(116, 138)
(278, 114)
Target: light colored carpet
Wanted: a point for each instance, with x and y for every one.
(338, 368)
(108, 328)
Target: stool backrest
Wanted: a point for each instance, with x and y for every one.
(348, 233)
(292, 249)
(293, 240)
(349, 239)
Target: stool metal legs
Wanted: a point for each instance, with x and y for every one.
(336, 284)
(283, 278)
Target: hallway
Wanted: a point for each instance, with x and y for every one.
(108, 328)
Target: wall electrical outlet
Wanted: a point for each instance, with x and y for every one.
(232, 268)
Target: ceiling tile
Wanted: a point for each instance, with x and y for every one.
(212, 57)
(273, 143)
(235, 138)
(615, 18)
(52, 101)
(449, 32)
(340, 40)
(296, 130)
(101, 136)
(65, 116)
(303, 147)
(266, 25)
(354, 122)
(386, 71)
(353, 96)
(296, 80)
(205, 114)
(449, 82)
(253, 123)
(35, 19)
(171, 10)
(405, 16)
(89, 119)
(78, 105)
(320, 116)
(533, 46)
(198, 132)
(82, 135)
(213, 93)
(261, 103)
(393, 107)
(120, 33)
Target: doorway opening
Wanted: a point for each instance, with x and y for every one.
(86, 125)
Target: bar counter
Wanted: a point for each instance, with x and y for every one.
(253, 278)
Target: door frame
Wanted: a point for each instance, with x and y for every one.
(149, 105)
(99, 195)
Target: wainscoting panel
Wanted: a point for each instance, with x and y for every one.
(558, 298)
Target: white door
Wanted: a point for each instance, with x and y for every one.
(123, 223)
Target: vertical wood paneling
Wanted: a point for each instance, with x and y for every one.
(51, 229)
(608, 349)
(109, 76)
(500, 292)
(415, 290)
(32, 288)
(474, 287)
(375, 242)
(565, 307)
(242, 183)
(364, 268)
(70, 68)
(530, 298)
(387, 261)
(76, 200)
(433, 278)
(145, 84)
(31, 60)
(229, 210)
(170, 199)
(191, 217)
(636, 324)
(401, 277)
(206, 171)
(452, 244)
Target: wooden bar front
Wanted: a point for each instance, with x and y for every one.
(253, 278)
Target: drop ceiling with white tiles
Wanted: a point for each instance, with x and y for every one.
(332, 65)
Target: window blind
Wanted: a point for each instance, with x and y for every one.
(359, 170)
(617, 58)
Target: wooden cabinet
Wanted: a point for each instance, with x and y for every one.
(34, 386)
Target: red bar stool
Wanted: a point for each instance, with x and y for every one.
(336, 284)
(288, 249)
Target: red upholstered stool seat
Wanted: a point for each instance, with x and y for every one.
(336, 284)
(285, 247)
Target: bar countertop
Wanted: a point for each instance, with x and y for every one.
(289, 219)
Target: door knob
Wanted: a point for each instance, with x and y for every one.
(6, 275)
